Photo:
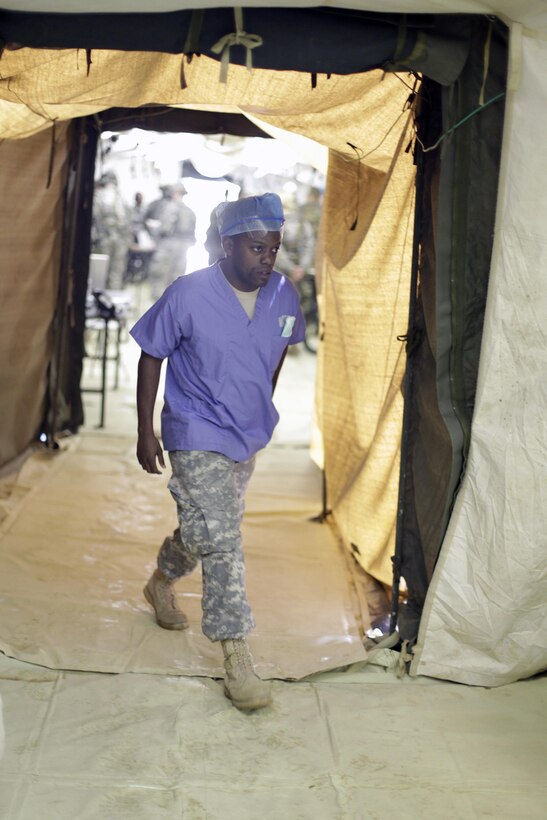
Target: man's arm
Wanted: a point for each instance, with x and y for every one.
(148, 447)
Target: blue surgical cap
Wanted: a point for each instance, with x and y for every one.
(251, 214)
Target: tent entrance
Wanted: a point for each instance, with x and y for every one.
(368, 244)
(282, 168)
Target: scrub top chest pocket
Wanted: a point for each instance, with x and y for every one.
(281, 339)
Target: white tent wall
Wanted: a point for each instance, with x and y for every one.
(485, 618)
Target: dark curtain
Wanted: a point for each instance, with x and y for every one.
(455, 220)
(65, 410)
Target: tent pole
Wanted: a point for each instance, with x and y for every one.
(412, 341)
(66, 277)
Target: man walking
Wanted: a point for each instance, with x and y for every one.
(224, 331)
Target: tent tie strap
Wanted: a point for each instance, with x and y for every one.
(191, 45)
(51, 162)
(237, 38)
(412, 339)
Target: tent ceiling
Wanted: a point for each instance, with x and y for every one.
(531, 13)
(364, 40)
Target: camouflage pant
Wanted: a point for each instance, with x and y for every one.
(209, 490)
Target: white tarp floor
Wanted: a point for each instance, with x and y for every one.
(361, 744)
(154, 737)
(79, 547)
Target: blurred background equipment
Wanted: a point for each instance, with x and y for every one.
(141, 244)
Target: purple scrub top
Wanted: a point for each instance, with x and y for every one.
(218, 386)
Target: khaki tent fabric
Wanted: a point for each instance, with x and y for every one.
(30, 218)
(360, 109)
(359, 399)
(363, 120)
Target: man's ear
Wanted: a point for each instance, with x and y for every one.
(228, 245)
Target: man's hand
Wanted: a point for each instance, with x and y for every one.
(149, 452)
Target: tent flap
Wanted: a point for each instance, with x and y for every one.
(484, 622)
(460, 191)
(31, 213)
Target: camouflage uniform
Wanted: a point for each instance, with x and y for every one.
(110, 234)
(174, 235)
(209, 490)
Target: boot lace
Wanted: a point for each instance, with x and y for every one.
(243, 656)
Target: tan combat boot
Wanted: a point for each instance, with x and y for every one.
(160, 595)
(241, 684)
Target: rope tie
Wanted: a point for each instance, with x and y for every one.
(236, 38)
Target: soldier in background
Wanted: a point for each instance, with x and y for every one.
(172, 225)
(109, 232)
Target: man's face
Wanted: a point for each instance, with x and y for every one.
(251, 261)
